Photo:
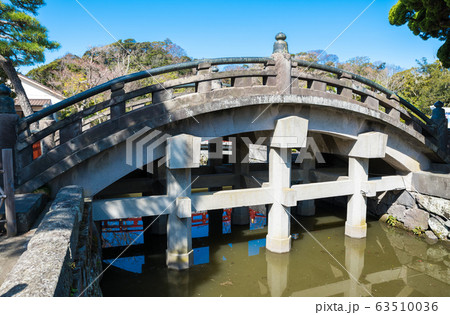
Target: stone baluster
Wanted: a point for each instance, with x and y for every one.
(204, 86)
(346, 91)
(369, 145)
(282, 64)
(290, 132)
(394, 113)
(182, 153)
(439, 119)
(118, 109)
(317, 85)
(48, 143)
(70, 131)
(162, 95)
(370, 102)
(215, 84)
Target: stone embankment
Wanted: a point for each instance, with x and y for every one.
(423, 209)
(63, 256)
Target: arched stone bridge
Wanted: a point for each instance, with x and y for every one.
(288, 103)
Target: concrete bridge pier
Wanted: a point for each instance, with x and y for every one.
(368, 145)
(183, 153)
(290, 132)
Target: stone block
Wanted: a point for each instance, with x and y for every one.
(438, 228)
(28, 208)
(434, 205)
(416, 218)
(183, 151)
(44, 269)
(397, 211)
(437, 185)
(370, 145)
(290, 132)
(183, 205)
(406, 199)
(430, 235)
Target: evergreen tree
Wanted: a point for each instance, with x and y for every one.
(23, 41)
(427, 19)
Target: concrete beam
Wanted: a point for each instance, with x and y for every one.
(123, 208)
(323, 190)
(370, 145)
(290, 132)
(183, 151)
(231, 198)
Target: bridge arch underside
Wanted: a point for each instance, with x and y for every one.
(334, 125)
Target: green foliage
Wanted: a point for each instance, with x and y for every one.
(23, 39)
(391, 220)
(72, 74)
(418, 230)
(426, 19)
(424, 85)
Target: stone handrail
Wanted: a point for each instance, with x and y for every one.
(370, 83)
(268, 77)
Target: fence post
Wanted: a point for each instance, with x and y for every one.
(8, 184)
(438, 117)
(8, 122)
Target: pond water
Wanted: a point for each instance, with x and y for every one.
(389, 262)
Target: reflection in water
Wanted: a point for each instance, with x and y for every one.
(122, 232)
(389, 262)
(201, 255)
(255, 245)
(131, 264)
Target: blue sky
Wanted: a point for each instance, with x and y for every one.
(237, 28)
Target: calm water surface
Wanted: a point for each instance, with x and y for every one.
(389, 262)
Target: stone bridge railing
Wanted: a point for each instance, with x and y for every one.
(266, 76)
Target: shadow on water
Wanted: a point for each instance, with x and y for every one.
(389, 262)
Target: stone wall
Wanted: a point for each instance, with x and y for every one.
(63, 256)
(414, 211)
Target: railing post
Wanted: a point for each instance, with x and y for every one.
(48, 143)
(118, 109)
(438, 117)
(282, 65)
(8, 183)
(347, 92)
(8, 121)
(205, 86)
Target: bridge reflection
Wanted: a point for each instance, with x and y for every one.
(396, 264)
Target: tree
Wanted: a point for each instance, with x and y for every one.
(425, 84)
(23, 41)
(427, 19)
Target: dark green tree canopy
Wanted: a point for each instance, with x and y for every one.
(426, 18)
(23, 39)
